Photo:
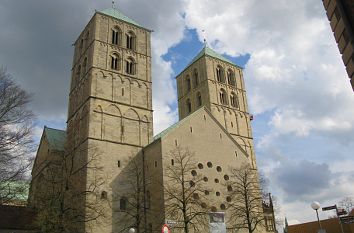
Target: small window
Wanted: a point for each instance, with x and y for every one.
(222, 207)
(189, 106)
(155, 163)
(130, 66)
(122, 91)
(84, 66)
(115, 62)
(116, 36)
(172, 162)
(228, 199)
(176, 142)
(130, 40)
(118, 163)
(231, 78)
(220, 74)
(205, 179)
(123, 203)
(103, 195)
(191, 129)
(218, 168)
(195, 78)
(226, 177)
(223, 98)
(188, 83)
(191, 183)
(216, 181)
(200, 166)
(194, 173)
(206, 192)
(199, 99)
(233, 100)
(229, 188)
(210, 165)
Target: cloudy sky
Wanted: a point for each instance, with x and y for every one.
(296, 83)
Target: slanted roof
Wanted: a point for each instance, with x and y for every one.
(206, 51)
(117, 14)
(56, 138)
(176, 125)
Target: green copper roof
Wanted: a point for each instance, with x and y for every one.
(206, 51)
(176, 125)
(115, 13)
(56, 138)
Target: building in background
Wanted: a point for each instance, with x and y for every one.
(341, 16)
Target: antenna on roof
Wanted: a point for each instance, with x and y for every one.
(204, 39)
(113, 6)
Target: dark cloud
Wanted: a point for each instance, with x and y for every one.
(302, 180)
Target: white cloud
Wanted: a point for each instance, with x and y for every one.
(295, 78)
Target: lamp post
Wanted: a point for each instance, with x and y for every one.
(315, 205)
(132, 230)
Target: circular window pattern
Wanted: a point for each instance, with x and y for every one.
(196, 196)
(210, 165)
(191, 183)
(229, 188)
(228, 199)
(206, 192)
(213, 209)
(226, 177)
(218, 168)
(217, 194)
(205, 179)
(216, 180)
(204, 205)
(222, 206)
(194, 172)
(200, 166)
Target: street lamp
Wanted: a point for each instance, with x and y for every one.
(315, 205)
(132, 230)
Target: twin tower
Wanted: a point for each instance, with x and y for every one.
(110, 119)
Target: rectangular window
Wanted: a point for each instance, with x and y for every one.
(155, 163)
(118, 163)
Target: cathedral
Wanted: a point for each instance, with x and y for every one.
(107, 172)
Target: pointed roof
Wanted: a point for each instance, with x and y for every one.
(56, 138)
(179, 123)
(117, 14)
(206, 51)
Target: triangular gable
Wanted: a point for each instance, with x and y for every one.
(186, 119)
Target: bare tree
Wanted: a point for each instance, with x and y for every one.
(184, 191)
(68, 202)
(245, 206)
(15, 136)
(133, 198)
(347, 203)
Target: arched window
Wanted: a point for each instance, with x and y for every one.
(115, 61)
(116, 36)
(84, 66)
(223, 97)
(233, 100)
(220, 74)
(231, 78)
(130, 39)
(130, 66)
(188, 83)
(195, 78)
(199, 99)
(189, 106)
(123, 203)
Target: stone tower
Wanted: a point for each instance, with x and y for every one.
(110, 112)
(213, 81)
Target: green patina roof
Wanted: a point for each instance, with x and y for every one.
(206, 51)
(115, 13)
(56, 138)
(174, 126)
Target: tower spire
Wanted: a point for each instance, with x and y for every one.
(113, 6)
(204, 39)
